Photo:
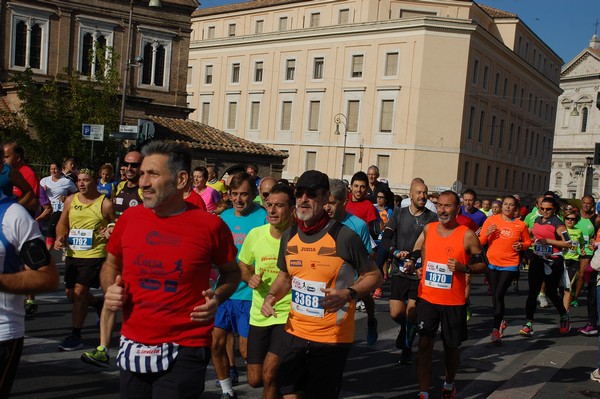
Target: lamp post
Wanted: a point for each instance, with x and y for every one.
(343, 119)
(589, 175)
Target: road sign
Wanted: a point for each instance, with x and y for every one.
(123, 136)
(129, 129)
(92, 132)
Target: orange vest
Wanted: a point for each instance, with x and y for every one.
(438, 284)
(312, 267)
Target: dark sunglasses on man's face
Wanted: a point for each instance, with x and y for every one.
(312, 194)
(571, 219)
(265, 194)
(380, 197)
(131, 164)
(546, 209)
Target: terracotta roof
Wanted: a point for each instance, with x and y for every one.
(204, 137)
(247, 5)
(496, 13)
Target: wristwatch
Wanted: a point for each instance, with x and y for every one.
(467, 269)
(353, 293)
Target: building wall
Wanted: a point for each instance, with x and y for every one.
(433, 89)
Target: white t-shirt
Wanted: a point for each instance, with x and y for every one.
(56, 189)
(18, 227)
(429, 205)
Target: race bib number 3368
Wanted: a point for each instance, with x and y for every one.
(306, 295)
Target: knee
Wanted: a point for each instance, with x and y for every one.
(80, 293)
(254, 381)
(219, 341)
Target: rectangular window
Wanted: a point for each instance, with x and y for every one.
(493, 130)
(156, 64)
(466, 171)
(501, 134)
(315, 19)
(290, 69)
(283, 23)
(349, 161)
(471, 122)
(488, 175)
(311, 160)
(210, 33)
(205, 113)
(353, 108)
(386, 117)
(486, 72)
(208, 74)
(258, 71)
(481, 127)
(497, 84)
(475, 72)
(510, 136)
(496, 177)
(254, 114)
(231, 114)
(313, 115)
(476, 174)
(506, 172)
(357, 66)
(383, 163)
(235, 73)
(190, 75)
(231, 31)
(505, 89)
(391, 64)
(286, 115)
(343, 16)
(258, 27)
(318, 64)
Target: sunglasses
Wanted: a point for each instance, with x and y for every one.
(312, 194)
(380, 197)
(546, 209)
(265, 194)
(572, 219)
(131, 164)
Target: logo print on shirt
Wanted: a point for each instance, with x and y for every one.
(156, 238)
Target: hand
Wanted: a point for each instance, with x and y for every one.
(491, 230)
(59, 243)
(403, 254)
(267, 307)
(104, 232)
(116, 295)
(62, 198)
(256, 280)
(208, 309)
(334, 299)
(517, 246)
(541, 241)
(409, 266)
(455, 266)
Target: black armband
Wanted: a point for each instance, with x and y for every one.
(414, 255)
(35, 254)
(477, 258)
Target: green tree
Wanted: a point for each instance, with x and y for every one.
(57, 108)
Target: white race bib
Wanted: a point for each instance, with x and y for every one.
(81, 239)
(437, 275)
(57, 205)
(306, 295)
(542, 250)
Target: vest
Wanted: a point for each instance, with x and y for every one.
(85, 222)
(313, 266)
(126, 197)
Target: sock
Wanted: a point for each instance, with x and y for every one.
(77, 332)
(425, 395)
(226, 385)
(104, 348)
(448, 386)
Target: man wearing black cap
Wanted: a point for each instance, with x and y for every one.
(318, 260)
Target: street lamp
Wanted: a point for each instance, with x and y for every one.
(343, 119)
(127, 63)
(589, 175)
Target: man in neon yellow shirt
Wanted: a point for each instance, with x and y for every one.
(258, 264)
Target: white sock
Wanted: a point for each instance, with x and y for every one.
(448, 386)
(424, 394)
(226, 385)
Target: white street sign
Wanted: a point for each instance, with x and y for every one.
(92, 132)
(128, 128)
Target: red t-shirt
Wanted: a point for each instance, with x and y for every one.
(195, 199)
(361, 209)
(166, 266)
(31, 178)
(466, 221)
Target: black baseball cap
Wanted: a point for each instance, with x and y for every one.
(313, 180)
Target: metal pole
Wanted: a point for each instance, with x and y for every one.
(127, 61)
(338, 119)
(589, 176)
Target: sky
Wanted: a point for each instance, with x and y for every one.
(566, 26)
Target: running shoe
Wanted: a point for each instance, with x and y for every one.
(449, 393)
(228, 395)
(469, 312)
(542, 300)
(515, 287)
(98, 357)
(496, 337)
(527, 329)
(574, 303)
(595, 376)
(235, 376)
(360, 306)
(503, 326)
(565, 324)
(372, 334)
(406, 356)
(30, 307)
(377, 294)
(420, 396)
(71, 343)
(588, 330)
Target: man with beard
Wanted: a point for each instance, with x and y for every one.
(84, 225)
(449, 252)
(157, 272)
(399, 237)
(128, 192)
(318, 260)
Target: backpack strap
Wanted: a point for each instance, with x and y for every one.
(12, 264)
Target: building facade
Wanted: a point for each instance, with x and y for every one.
(578, 126)
(447, 90)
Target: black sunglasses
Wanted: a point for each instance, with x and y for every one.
(546, 209)
(312, 194)
(573, 219)
(131, 164)
(265, 194)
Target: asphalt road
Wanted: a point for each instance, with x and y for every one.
(545, 366)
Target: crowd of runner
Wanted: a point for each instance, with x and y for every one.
(196, 262)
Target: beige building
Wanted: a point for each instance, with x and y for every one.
(443, 89)
(578, 126)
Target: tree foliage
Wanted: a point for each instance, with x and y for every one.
(57, 108)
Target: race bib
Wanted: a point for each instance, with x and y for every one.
(57, 205)
(542, 250)
(306, 295)
(81, 239)
(573, 249)
(437, 275)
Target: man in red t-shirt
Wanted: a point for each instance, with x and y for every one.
(358, 204)
(14, 155)
(157, 272)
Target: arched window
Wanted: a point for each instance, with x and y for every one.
(584, 119)
(558, 179)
